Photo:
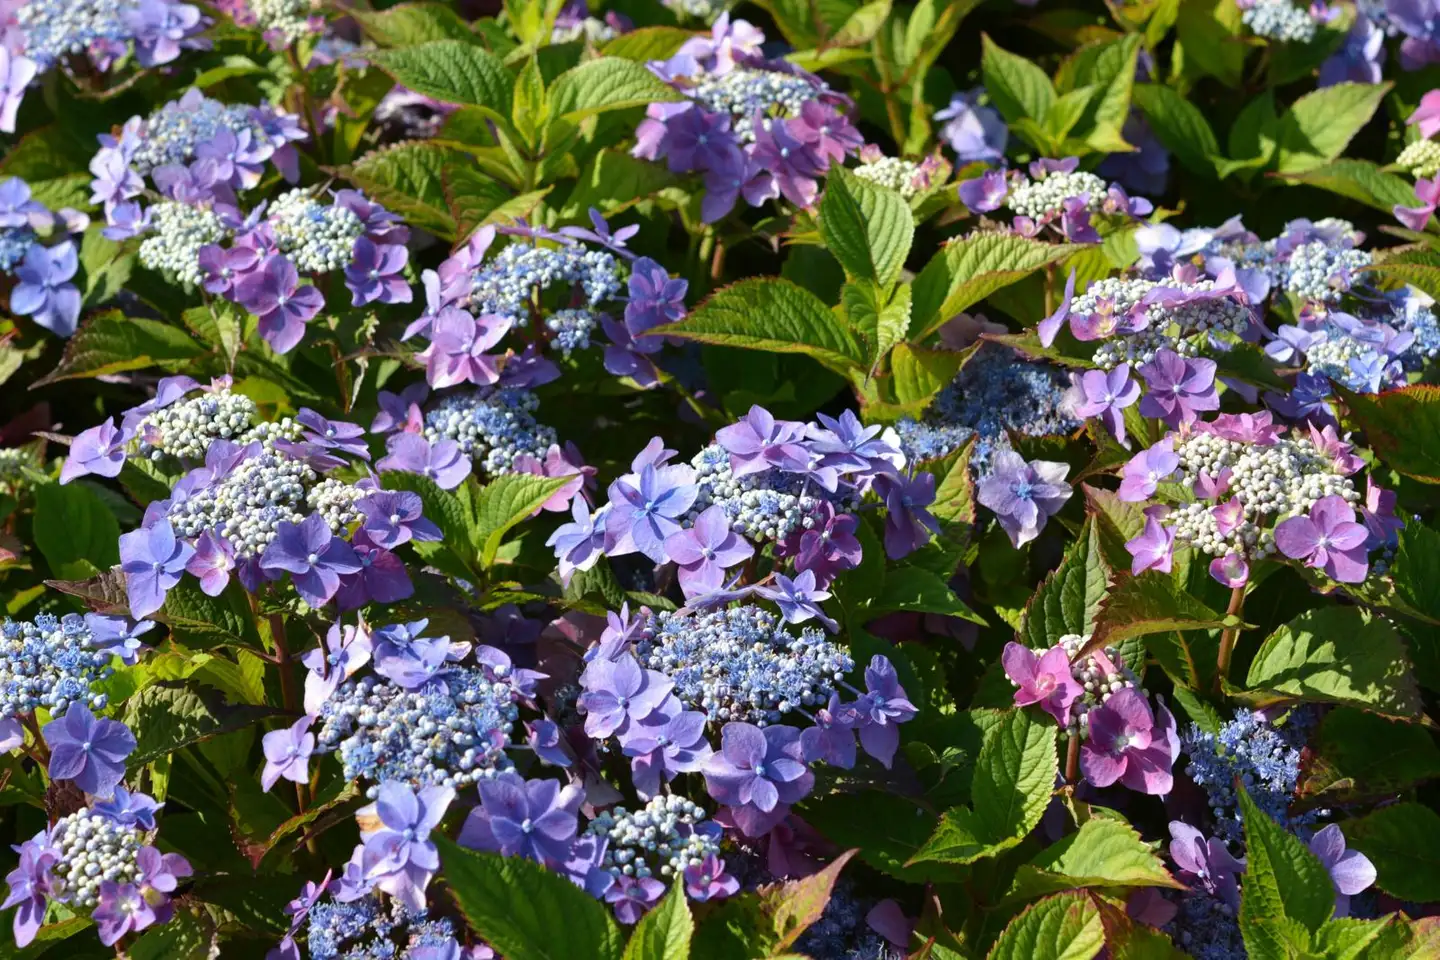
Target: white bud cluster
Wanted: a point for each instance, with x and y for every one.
(1284, 478)
(318, 238)
(589, 29)
(186, 429)
(744, 92)
(898, 174)
(1181, 329)
(1279, 20)
(1319, 271)
(288, 18)
(335, 501)
(1101, 677)
(1421, 158)
(92, 849)
(660, 838)
(572, 329)
(1036, 198)
(1195, 524)
(178, 231)
(249, 504)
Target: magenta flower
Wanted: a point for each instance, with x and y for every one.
(211, 563)
(287, 754)
(313, 556)
(1131, 745)
(1154, 548)
(1206, 864)
(827, 549)
(1428, 190)
(705, 551)
(376, 273)
(400, 411)
(1427, 115)
(1179, 389)
(1105, 395)
(1327, 539)
(273, 293)
(458, 342)
(1351, 872)
(441, 461)
(826, 131)
(122, 909)
(1147, 470)
(1043, 679)
(707, 880)
(153, 559)
(1230, 570)
(88, 750)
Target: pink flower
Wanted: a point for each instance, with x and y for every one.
(1043, 679)
(1427, 115)
(1416, 217)
(1131, 745)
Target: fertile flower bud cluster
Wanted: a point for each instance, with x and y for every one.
(905, 177)
(1321, 270)
(767, 506)
(92, 849)
(376, 927)
(185, 429)
(507, 284)
(744, 92)
(997, 391)
(180, 231)
(1278, 20)
(247, 507)
(451, 731)
(740, 663)
(1420, 159)
(1045, 196)
(1056, 195)
(1263, 756)
(1100, 673)
(571, 329)
(173, 133)
(1138, 318)
(318, 238)
(491, 427)
(285, 22)
(49, 663)
(661, 839)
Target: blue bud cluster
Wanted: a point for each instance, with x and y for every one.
(15, 242)
(1207, 929)
(505, 284)
(1322, 271)
(450, 732)
(745, 91)
(171, 134)
(769, 505)
(1266, 758)
(572, 329)
(49, 663)
(492, 427)
(842, 932)
(92, 849)
(739, 663)
(53, 29)
(995, 392)
(369, 929)
(662, 838)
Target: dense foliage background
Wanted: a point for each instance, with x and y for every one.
(809, 478)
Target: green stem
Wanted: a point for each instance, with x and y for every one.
(1228, 637)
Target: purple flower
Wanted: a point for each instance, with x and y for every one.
(400, 411)
(158, 875)
(99, 450)
(798, 599)
(114, 181)
(1043, 679)
(1230, 570)
(644, 510)
(232, 158)
(763, 768)
(1205, 863)
(382, 577)
(1327, 539)
(705, 551)
(30, 887)
(707, 880)
(403, 656)
(128, 809)
(656, 298)
(287, 754)
(546, 739)
(1359, 58)
(1105, 395)
(1145, 471)
(273, 293)
(44, 291)
(602, 235)
(908, 525)
(827, 549)
(393, 517)
(1048, 328)
(758, 442)
(1075, 220)
(793, 165)
(1179, 389)
(458, 342)
(881, 709)
(16, 72)
(333, 434)
(832, 739)
(89, 750)
(986, 192)
(665, 744)
(1350, 870)
(632, 897)
(399, 855)
(1024, 495)
(126, 220)
(223, 268)
(345, 651)
(697, 139)
(619, 694)
(117, 636)
(526, 818)
(313, 556)
(580, 543)
(826, 131)
(724, 186)
(376, 272)
(122, 909)
(153, 560)
(160, 29)
(1154, 548)
(441, 461)
(212, 562)
(977, 134)
(1419, 20)
(1131, 745)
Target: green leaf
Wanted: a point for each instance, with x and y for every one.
(529, 110)
(648, 43)
(411, 24)
(452, 71)
(1284, 881)
(1109, 67)
(185, 936)
(1317, 127)
(1209, 31)
(613, 181)
(919, 373)
(1014, 777)
(663, 933)
(1102, 853)
(775, 315)
(795, 905)
(917, 590)
(1149, 603)
(73, 524)
(525, 911)
(1338, 655)
(1063, 927)
(1017, 87)
(408, 178)
(881, 322)
(1416, 569)
(971, 269)
(954, 486)
(201, 621)
(1403, 842)
(609, 83)
(1360, 180)
(110, 342)
(1346, 766)
(868, 228)
(862, 25)
(1070, 598)
(1180, 126)
(1253, 136)
(166, 717)
(1399, 424)
(887, 828)
(503, 503)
